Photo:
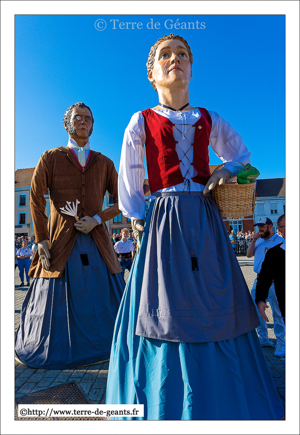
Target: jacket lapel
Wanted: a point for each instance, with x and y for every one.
(92, 158)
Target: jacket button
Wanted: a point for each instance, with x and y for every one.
(82, 208)
(83, 184)
(83, 195)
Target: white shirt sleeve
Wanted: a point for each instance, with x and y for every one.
(228, 144)
(132, 171)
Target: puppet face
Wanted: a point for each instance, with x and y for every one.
(81, 127)
(172, 68)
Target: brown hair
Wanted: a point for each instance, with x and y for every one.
(151, 57)
(123, 230)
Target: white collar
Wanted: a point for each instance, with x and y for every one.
(194, 113)
(73, 144)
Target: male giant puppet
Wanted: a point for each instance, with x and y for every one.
(184, 344)
(68, 315)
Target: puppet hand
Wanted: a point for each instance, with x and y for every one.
(218, 177)
(138, 229)
(86, 224)
(137, 224)
(44, 254)
(261, 307)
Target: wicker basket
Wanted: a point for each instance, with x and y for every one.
(233, 199)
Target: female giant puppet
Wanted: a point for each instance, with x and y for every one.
(184, 343)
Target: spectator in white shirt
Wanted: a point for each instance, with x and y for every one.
(125, 249)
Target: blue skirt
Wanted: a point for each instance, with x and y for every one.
(213, 380)
(67, 322)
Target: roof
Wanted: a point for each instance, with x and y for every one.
(23, 177)
(270, 187)
(146, 188)
(213, 168)
(264, 188)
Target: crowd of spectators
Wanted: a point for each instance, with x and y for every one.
(20, 239)
(240, 241)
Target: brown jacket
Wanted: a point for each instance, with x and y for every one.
(59, 171)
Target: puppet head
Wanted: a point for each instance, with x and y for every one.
(151, 57)
(68, 115)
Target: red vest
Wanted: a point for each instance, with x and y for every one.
(163, 163)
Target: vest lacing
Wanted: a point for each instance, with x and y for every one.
(186, 163)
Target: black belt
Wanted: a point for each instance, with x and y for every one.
(125, 256)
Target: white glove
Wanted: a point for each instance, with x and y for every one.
(218, 177)
(86, 224)
(44, 254)
(138, 226)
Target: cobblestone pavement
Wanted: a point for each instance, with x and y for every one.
(92, 379)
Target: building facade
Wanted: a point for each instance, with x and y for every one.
(23, 219)
(270, 202)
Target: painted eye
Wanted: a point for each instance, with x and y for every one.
(163, 56)
(182, 54)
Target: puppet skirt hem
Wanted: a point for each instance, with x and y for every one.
(68, 322)
(225, 380)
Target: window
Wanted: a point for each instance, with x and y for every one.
(118, 219)
(128, 220)
(284, 208)
(260, 209)
(22, 218)
(22, 200)
(235, 225)
(273, 208)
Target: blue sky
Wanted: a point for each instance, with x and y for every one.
(238, 71)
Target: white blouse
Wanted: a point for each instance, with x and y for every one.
(224, 140)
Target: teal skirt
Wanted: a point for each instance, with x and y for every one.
(210, 380)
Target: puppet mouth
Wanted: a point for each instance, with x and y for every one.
(175, 68)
